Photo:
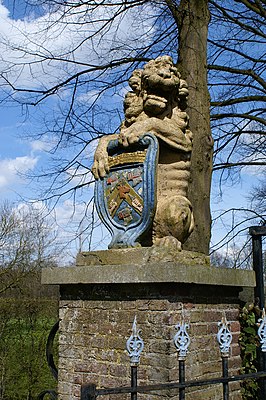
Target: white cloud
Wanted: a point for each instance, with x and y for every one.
(68, 34)
(4, 13)
(257, 171)
(68, 211)
(89, 97)
(42, 145)
(27, 52)
(11, 168)
(80, 177)
(75, 222)
(35, 205)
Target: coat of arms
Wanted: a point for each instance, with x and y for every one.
(125, 197)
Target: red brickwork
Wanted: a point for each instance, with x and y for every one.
(93, 334)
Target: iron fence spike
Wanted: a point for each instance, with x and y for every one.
(224, 337)
(182, 339)
(135, 344)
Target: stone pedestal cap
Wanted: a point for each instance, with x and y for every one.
(145, 265)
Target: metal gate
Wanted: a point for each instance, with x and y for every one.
(135, 346)
(182, 340)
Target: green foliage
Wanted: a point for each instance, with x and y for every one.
(24, 328)
(249, 343)
(28, 310)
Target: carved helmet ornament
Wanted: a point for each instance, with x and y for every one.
(142, 173)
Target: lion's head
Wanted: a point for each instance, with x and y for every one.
(156, 90)
(160, 84)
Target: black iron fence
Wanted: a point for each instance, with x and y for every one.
(257, 232)
(52, 394)
(182, 341)
(90, 392)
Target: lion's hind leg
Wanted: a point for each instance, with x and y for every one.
(173, 221)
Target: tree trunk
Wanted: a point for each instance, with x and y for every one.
(193, 30)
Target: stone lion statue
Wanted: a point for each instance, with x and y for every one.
(157, 104)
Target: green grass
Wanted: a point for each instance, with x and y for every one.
(24, 328)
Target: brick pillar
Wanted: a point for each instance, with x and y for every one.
(97, 308)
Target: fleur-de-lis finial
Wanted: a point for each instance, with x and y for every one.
(182, 339)
(262, 330)
(224, 337)
(135, 344)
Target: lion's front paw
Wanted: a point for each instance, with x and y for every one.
(100, 166)
(128, 137)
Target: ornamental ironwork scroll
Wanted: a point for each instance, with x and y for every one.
(135, 344)
(182, 340)
(224, 337)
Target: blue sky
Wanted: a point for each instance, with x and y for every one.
(20, 156)
(17, 155)
(13, 152)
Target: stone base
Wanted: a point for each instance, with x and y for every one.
(142, 256)
(98, 305)
(146, 265)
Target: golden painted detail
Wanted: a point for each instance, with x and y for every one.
(127, 158)
(123, 191)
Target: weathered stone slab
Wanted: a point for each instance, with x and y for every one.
(141, 256)
(139, 266)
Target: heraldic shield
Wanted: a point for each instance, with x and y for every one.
(125, 198)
